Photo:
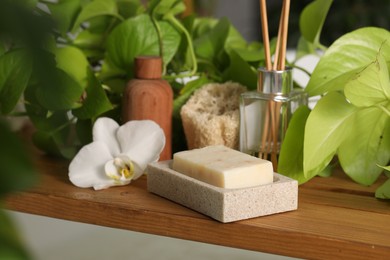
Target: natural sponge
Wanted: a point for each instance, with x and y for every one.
(211, 115)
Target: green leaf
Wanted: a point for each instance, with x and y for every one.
(209, 45)
(64, 13)
(186, 93)
(161, 7)
(178, 8)
(11, 246)
(383, 192)
(46, 122)
(137, 36)
(304, 48)
(346, 57)
(84, 131)
(130, 8)
(202, 26)
(96, 102)
(371, 86)
(240, 71)
(16, 168)
(234, 39)
(365, 146)
(327, 126)
(312, 20)
(290, 161)
(73, 62)
(54, 143)
(95, 9)
(250, 55)
(15, 71)
(60, 92)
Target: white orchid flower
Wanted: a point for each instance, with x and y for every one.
(117, 155)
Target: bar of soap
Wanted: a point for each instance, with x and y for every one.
(223, 167)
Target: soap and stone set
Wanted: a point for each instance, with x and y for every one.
(223, 183)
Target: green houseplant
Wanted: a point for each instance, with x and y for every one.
(352, 119)
(81, 71)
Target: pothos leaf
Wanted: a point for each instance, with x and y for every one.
(130, 8)
(371, 86)
(96, 101)
(17, 171)
(64, 13)
(59, 91)
(95, 9)
(240, 71)
(304, 48)
(55, 143)
(137, 36)
(186, 92)
(366, 146)
(209, 45)
(73, 62)
(290, 161)
(312, 19)
(15, 71)
(327, 126)
(346, 57)
(383, 192)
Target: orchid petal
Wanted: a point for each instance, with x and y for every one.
(104, 130)
(87, 167)
(142, 141)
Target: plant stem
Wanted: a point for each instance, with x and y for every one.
(171, 18)
(160, 41)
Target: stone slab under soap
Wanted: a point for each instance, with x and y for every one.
(224, 205)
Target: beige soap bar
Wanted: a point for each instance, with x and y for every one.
(223, 167)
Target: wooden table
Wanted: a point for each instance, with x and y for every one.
(336, 218)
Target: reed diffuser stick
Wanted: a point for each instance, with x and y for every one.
(264, 29)
(285, 15)
(269, 140)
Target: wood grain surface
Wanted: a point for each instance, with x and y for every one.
(336, 218)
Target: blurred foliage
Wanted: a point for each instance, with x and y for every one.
(343, 17)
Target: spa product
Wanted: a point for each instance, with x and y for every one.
(150, 97)
(223, 167)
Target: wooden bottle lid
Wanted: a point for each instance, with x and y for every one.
(148, 67)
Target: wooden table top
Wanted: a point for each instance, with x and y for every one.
(336, 218)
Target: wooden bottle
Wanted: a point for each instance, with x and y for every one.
(150, 97)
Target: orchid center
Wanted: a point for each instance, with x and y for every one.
(120, 169)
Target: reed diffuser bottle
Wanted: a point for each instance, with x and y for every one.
(265, 113)
(148, 96)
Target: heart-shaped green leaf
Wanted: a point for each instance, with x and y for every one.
(137, 36)
(346, 57)
(366, 146)
(312, 20)
(327, 126)
(73, 62)
(371, 86)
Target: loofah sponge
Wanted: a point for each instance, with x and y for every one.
(211, 116)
